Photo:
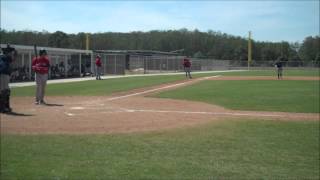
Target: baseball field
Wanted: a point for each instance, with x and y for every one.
(219, 125)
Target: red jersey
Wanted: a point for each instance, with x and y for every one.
(186, 63)
(41, 65)
(98, 62)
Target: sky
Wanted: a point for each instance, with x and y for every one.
(268, 20)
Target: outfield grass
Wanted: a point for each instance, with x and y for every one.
(311, 72)
(286, 96)
(245, 149)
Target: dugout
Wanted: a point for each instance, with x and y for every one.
(65, 63)
(72, 63)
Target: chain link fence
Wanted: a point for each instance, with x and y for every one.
(162, 64)
(69, 63)
(80, 65)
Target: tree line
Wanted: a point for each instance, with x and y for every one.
(194, 43)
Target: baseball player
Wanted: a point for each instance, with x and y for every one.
(279, 65)
(98, 67)
(8, 56)
(187, 67)
(40, 65)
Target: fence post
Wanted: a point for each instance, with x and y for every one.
(91, 64)
(177, 64)
(115, 64)
(167, 64)
(144, 64)
(104, 64)
(80, 64)
(66, 65)
(30, 68)
(160, 65)
(22, 58)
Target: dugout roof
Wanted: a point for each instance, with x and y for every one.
(23, 48)
(137, 52)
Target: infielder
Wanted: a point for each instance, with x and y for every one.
(279, 65)
(187, 67)
(98, 67)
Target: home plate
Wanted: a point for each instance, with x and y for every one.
(77, 108)
(69, 114)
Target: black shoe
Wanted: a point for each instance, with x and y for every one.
(42, 102)
(6, 110)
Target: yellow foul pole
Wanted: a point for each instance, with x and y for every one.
(249, 50)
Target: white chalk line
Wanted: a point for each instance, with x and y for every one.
(98, 107)
(157, 89)
(203, 112)
(123, 110)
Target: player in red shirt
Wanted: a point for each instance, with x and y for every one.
(41, 65)
(187, 67)
(98, 67)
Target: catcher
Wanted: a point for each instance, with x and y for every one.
(6, 59)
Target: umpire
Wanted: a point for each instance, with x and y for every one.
(8, 56)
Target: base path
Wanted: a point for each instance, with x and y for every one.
(125, 112)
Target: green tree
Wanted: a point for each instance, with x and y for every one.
(310, 48)
(210, 44)
(59, 39)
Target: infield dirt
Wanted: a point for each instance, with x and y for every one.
(128, 112)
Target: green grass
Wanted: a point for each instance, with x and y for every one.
(311, 72)
(98, 88)
(245, 149)
(109, 86)
(286, 96)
